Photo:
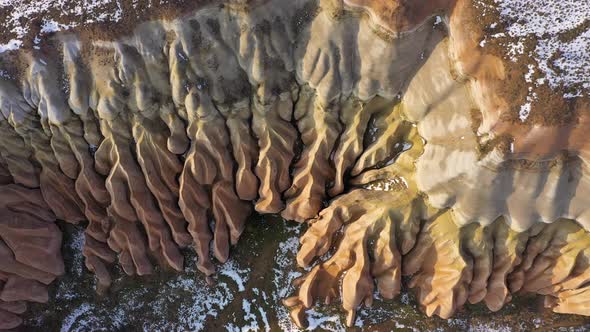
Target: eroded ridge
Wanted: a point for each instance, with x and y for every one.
(146, 138)
(448, 266)
(30, 251)
(370, 227)
(366, 127)
(477, 223)
(367, 239)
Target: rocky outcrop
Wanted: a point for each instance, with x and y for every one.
(478, 249)
(373, 122)
(30, 251)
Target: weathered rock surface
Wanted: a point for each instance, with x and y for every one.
(30, 251)
(379, 124)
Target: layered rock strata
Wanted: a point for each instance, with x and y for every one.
(368, 121)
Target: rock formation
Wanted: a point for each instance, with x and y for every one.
(385, 126)
(30, 250)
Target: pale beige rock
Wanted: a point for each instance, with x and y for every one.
(399, 16)
(507, 247)
(358, 222)
(276, 135)
(319, 128)
(355, 116)
(205, 183)
(17, 157)
(238, 118)
(439, 271)
(348, 273)
(168, 136)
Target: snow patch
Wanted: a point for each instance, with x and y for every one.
(240, 276)
(72, 318)
(13, 44)
(560, 32)
(22, 13)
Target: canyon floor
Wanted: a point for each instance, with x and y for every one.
(246, 297)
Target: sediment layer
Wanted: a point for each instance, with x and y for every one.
(371, 133)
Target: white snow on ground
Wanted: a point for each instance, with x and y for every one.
(76, 267)
(208, 301)
(13, 44)
(22, 12)
(284, 272)
(264, 316)
(240, 276)
(318, 320)
(76, 247)
(204, 303)
(283, 275)
(184, 302)
(561, 52)
(197, 301)
(74, 316)
(545, 20)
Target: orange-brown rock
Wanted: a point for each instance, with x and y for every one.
(399, 16)
(371, 228)
(392, 134)
(555, 264)
(206, 183)
(319, 128)
(276, 135)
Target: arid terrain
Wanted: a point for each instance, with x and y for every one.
(281, 165)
